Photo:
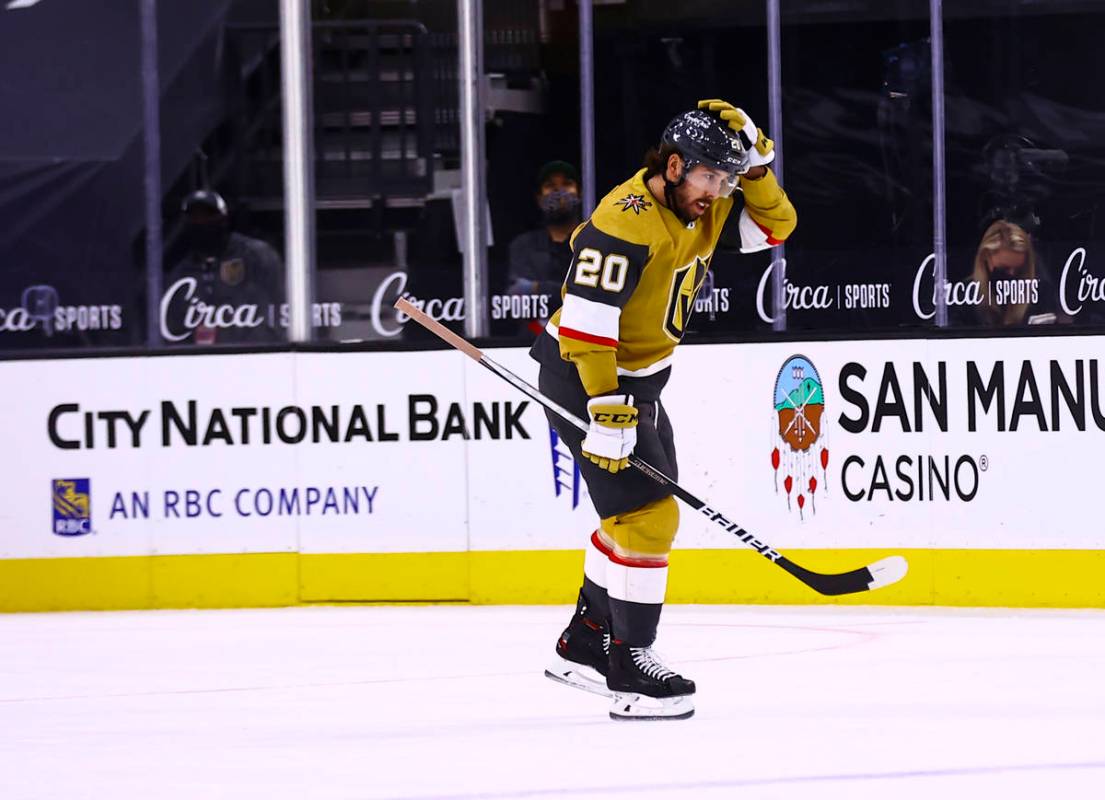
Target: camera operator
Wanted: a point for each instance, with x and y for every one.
(228, 289)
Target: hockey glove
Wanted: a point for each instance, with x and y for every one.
(761, 150)
(613, 432)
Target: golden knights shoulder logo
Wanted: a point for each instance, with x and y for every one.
(634, 202)
(800, 434)
(685, 283)
(72, 501)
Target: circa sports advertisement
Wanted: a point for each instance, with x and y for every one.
(947, 444)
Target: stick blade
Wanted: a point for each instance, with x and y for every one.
(881, 573)
(887, 571)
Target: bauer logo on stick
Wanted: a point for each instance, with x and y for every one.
(800, 456)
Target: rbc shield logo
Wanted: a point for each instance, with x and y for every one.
(72, 506)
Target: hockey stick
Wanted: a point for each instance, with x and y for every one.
(881, 573)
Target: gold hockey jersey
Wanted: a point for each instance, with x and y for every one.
(635, 273)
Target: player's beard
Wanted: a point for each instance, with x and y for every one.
(687, 206)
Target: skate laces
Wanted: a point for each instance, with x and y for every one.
(606, 643)
(649, 663)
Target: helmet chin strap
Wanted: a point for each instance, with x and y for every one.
(669, 194)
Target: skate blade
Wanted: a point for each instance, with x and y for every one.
(628, 707)
(577, 676)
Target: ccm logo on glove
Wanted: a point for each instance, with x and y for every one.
(616, 419)
(612, 434)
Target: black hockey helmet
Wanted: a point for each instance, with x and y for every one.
(206, 223)
(205, 198)
(701, 138)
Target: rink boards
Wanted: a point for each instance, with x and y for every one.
(273, 479)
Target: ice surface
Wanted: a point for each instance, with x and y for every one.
(450, 702)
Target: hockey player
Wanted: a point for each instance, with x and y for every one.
(637, 265)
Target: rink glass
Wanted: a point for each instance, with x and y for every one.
(96, 232)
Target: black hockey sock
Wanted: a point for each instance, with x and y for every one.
(598, 603)
(634, 623)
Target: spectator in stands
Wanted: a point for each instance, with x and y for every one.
(228, 289)
(539, 258)
(1011, 287)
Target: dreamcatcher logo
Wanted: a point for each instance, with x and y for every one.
(801, 451)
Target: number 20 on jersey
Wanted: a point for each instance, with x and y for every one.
(593, 270)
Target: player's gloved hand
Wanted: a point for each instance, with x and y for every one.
(761, 150)
(613, 432)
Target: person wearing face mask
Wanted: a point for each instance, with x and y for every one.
(539, 258)
(1013, 287)
(637, 266)
(228, 288)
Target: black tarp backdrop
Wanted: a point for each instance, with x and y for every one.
(71, 159)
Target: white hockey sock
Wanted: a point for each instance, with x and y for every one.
(636, 595)
(636, 581)
(595, 560)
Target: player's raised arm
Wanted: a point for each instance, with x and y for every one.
(768, 217)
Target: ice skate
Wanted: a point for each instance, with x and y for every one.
(643, 688)
(582, 653)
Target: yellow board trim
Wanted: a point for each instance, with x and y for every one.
(1015, 578)
(383, 577)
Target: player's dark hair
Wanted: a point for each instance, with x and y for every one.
(656, 160)
(656, 163)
